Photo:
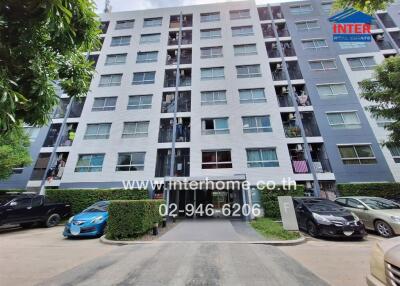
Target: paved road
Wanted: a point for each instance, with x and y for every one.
(190, 264)
(212, 230)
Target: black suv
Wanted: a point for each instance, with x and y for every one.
(29, 209)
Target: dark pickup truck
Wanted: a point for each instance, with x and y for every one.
(30, 209)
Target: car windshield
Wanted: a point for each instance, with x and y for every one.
(321, 206)
(380, 204)
(97, 207)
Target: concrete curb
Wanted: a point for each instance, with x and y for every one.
(294, 242)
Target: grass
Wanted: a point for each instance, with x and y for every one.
(273, 230)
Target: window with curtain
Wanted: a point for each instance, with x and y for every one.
(242, 31)
(89, 163)
(116, 59)
(254, 95)
(133, 161)
(216, 159)
(124, 24)
(152, 22)
(248, 71)
(301, 9)
(212, 73)
(239, 14)
(97, 131)
(150, 38)
(362, 63)
(146, 57)
(262, 157)
(395, 151)
(120, 41)
(314, 44)
(213, 97)
(307, 25)
(245, 50)
(211, 52)
(214, 126)
(331, 90)
(110, 80)
(323, 65)
(210, 33)
(344, 120)
(143, 78)
(140, 101)
(104, 103)
(135, 129)
(256, 124)
(210, 17)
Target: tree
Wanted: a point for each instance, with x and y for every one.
(367, 6)
(384, 91)
(43, 42)
(14, 151)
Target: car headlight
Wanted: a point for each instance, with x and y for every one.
(395, 218)
(320, 218)
(70, 219)
(356, 218)
(98, 219)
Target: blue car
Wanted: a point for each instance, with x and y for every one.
(91, 222)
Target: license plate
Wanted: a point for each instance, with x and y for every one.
(348, 232)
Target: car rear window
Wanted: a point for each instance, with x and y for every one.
(322, 206)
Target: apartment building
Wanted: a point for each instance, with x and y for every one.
(230, 91)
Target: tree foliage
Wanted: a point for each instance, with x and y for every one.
(43, 42)
(367, 6)
(14, 151)
(383, 90)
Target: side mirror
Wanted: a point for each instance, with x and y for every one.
(360, 207)
(13, 204)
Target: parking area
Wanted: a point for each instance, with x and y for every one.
(29, 256)
(337, 262)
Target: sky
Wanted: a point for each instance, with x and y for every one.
(128, 5)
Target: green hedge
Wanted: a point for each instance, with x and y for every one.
(83, 198)
(269, 199)
(369, 189)
(130, 219)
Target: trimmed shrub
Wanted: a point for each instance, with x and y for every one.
(269, 199)
(369, 189)
(130, 219)
(80, 199)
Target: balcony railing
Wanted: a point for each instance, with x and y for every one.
(182, 82)
(184, 60)
(184, 105)
(182, 163)
(322, 166)
(182, 134)
(292, 131)
(310, 128)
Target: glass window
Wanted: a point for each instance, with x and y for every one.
(263, 157)
(254, 95)
(150, 38)
(214, 126)
(110, 80)
(331, 90)
(124, 24)
(211, 52)
(301, 9)
(152, 22)
(242, 31)
(210, 33)
(248, 71)
(213, 97)
(357, 154)
(239, 14)
(120, 41)
(23, 203)
(146, 57)
(245, 50)
(344, 120)
(307, 25)
(209, 17)
(98, 131)
(364, 63)
(143, 78)
(140, 101)
(130, 161)
(216, 159)
(89, 163)
(314, 44)
(116, 59)
(212, 73)
(352, 45)
(256, 124)
(135, 129)
(326, 8)
(104, 103)
(395, 151)
(323, 65)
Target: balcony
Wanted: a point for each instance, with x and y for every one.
(76, 108)
(187, 21)
(292, 128)
(182, 130)
(273, 52)
(66, 139)
(168, 102)
(182, 162)
(267, 30)
(386, 20)
(104, 27)
(396, 37)
(318, 154)
(293, 69)
(382, 42)
(185, 78)
(263, 13)
(172, 57)
(277, 12)
(55, 171)
(282, 30)
(40, 166)
(186, 38)
(300, 92)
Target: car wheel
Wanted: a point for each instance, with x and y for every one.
(312, 229)
(53, 220)
(27, 224)
(383, 228)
